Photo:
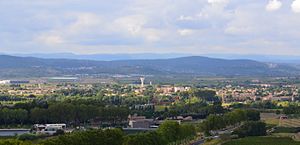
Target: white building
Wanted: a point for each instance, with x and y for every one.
(3, 82)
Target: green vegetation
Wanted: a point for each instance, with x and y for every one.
(213, 142)
(75, 112)
(251, 128)
(262, 141)
(92, 137)
(169, 132)
(215, 122)
(287, 130)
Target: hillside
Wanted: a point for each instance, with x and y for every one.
(11, 66)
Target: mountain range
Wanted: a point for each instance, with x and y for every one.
(132, 56)
(15, 66)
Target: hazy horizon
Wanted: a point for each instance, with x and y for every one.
(148, 56)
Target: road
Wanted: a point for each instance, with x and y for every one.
(199, 142)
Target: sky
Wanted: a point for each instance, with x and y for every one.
(264, 27)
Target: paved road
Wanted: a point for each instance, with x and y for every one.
(199, 142)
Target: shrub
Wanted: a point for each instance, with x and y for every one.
(27, 136)
(251, 128)
(59, 132)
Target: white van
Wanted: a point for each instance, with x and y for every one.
(48, 128)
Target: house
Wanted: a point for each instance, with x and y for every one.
(143, 123)
(135, 121)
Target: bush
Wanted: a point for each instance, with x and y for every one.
(251, 128)
(287, 130)
(150, 138)
(170, 130)
(14, 142)
(27, 136)
(91, 137)
(59, 132)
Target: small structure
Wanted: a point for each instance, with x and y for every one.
(144, 123)
(142, 82)
(63, 79)
(139, 122)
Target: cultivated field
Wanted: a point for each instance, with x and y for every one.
(263, 141)
(273, 119)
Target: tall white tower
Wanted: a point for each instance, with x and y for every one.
(142, 81)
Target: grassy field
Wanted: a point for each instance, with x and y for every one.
(294, 136)
(290, 123)
(271, 121)
(160, 107)
(270, 118)
(263, 141)
(287, 130)
(213, 142)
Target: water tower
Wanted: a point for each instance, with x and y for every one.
(142, 81)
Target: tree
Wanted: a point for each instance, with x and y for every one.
(149, 138)
(169, 130)
(61, 112)
(187, 130)
(253, 115)
(251, 128)
(38, 115)
(213, 122)
(206, 95)
(20, 115)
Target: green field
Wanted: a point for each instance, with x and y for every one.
(263, 141)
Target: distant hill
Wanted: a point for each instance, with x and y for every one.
(104, 57)
(12, 66)
(133, 56)
(262, 58)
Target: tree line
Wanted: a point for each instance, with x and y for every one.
(216, 122)
(63, 112)
(169, 132)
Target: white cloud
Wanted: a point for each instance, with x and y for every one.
(140, 26)
(244, 22)
(215, 11)
(296, 6)
(136, 26)
(84, 22)
(132, 23)
(152, 35)
(49, 39)
(185, 32)
(186, 18)
(273, 5)
(218, 1)
(237, 30)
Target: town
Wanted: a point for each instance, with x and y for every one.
(62, 105)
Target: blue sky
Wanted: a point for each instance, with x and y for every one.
(266, 27)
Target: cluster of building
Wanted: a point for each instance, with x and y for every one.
(6, 82)
(256, 92)
(168, 89)
(135, 121)
(36, 89)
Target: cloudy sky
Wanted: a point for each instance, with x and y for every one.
(159, 26)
